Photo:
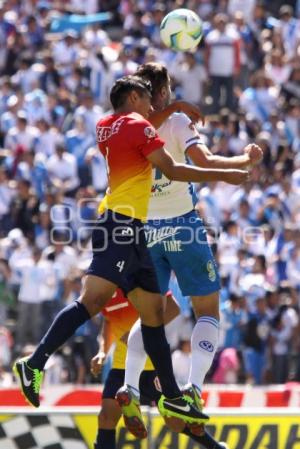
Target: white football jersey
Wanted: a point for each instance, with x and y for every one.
(173, 198)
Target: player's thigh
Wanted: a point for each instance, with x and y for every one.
(172, 309)
(207, 305)
(192, 260)
(114, 257)
(96, 291)
(150, 306)
(162, 267)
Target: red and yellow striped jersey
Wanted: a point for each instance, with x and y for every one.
(121, 315)
(125, 140)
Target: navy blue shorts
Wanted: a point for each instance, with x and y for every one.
(149, 385)
(120, 253)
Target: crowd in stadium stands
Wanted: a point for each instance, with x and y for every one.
(54, 87)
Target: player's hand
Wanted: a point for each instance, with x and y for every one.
(235, 177)
(191, 111)
(254, 153)
(97, 363)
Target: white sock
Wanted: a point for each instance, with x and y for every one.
(136, 356)
(204, 344)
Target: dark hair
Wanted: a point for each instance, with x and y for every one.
(124, 86)
(156, 73)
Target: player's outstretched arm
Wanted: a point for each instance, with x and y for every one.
(182, 172)
(203, 157)
(97, 362)
(157, 118)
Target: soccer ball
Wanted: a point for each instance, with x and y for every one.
(181, 30)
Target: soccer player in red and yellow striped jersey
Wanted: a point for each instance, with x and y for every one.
(120, 255)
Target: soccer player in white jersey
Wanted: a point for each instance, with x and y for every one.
(176, 235)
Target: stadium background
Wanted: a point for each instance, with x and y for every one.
(57, 63)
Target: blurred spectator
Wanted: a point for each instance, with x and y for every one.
(100, 78)
(78, 141)
(65, 52)
(32, 277)
(21, 137)
(227, 367)
(191, 74)
(98, 169)
(259, 99)
(7, 298)
(280, 339)
(293, 264)
(50, 78)
(233, 321)
(246, 47)
(245, 7)
(48, 138)
(89, 113)
(63, 172)
(64, 258)
(42, 227)
(24, 208)
(222, 62)
(255, 339)
(6, 198)
(290, 29)
(276, 68)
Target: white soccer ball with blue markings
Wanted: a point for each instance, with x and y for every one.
(181, 30)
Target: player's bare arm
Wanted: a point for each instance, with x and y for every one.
(158, 117)
(98, 360)
(203, 157)
(185, 173)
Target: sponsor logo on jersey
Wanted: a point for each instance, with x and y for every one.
(150, 132)
(206, 345)
(158, 188)
(212, 276)
(105, 132)
(154, 236)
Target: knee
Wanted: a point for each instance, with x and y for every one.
(93, 303)
(206, 305)
(153, 316)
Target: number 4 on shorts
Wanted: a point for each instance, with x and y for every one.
(120, 265)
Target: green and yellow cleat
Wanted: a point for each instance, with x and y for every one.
(130, 406)
(192, 391)
(30, 379)
(183, 408)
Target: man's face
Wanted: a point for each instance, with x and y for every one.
(163, 98)
(142, 103)
(221, 25)
(167, 94)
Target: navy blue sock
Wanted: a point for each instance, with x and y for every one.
(158, 349)
(63, 327)
(206, 439)
(106, 439)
